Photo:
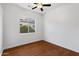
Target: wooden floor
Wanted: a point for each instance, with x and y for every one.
(41, 48)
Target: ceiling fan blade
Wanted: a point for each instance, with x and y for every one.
(41, 9)
(34, 7)
(46, 4)
(35, 3)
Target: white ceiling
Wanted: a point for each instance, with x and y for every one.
(29, 6)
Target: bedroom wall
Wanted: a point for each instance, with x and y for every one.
(1, 28)
(12, 37)
(62, 26)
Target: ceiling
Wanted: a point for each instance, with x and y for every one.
(29, 6)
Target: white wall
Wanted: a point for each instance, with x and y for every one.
(12, 37)
(0, 28)
(62, 26)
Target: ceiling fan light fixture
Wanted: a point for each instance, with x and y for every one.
(39, 5)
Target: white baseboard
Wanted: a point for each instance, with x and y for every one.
(62, 46)
(22, 44)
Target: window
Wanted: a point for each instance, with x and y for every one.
(27, 25)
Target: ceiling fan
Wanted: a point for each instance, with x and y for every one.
(40, 5)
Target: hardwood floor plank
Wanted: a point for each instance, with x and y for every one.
(40, 48)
